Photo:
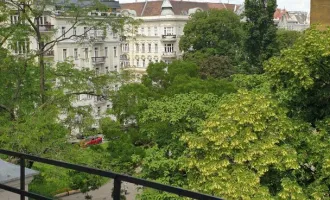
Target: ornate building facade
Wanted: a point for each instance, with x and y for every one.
(157, 38)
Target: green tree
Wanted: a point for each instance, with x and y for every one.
(299, 76)
(260, 40)
(216, 67)
(36, 94)
(286, 38)
(165, 121)
(128, 101)
(121, 146)
(240, 145)
(214, 32)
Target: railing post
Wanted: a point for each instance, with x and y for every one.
(116, 188)
(22, 175)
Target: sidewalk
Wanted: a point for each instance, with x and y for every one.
(104, 193)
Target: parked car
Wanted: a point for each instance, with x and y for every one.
(93, 140)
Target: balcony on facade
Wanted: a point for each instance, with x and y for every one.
(98, 60)
(168, 38)
(49, 53)
(123, 57)
(169, 54)
(46, 28)
(97, 35)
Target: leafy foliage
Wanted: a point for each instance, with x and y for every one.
(242, 140)
(260, 42)
(300, 76)
(218, 31)
(286, 38)
(217, 67)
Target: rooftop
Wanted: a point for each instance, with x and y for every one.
(180, 7)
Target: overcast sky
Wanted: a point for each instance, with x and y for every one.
(293, 5)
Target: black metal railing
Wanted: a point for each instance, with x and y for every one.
(168, 36)
(118, 179)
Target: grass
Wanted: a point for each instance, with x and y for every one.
(53, 180)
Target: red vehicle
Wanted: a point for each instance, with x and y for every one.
(92, 141)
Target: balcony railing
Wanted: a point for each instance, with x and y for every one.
(98, 60)
(49, 53)
(46, 28)
(97, 35)
(169, 54)
(118, 179)
(168, 38)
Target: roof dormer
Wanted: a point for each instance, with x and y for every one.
(167, 8)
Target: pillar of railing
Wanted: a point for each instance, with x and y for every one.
(116, 188)
(22, 178)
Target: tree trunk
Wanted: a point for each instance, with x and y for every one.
(41, 63)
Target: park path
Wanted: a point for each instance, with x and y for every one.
(104, 192)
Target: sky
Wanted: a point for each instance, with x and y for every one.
(291, 5)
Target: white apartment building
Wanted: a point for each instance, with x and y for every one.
(157, 38)
(99, 50)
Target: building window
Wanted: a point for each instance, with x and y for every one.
(143, 63)
(169, 48)
(137, 48)
(13, 19)
(156, 31)
(97, 71)
(106, 51)
(115, 51)
(74, 31)
(149, 31)
(126, 48)
(21, 47)
(137, 62)
(156, 48)
(168, 30)
(64, 54)
(149, 48)
(86, 53)
(142, 31)
(75, 54)
(85, 31)
(63, 31)
(89, 96)
(143, 48)
(107, 69)
(96, 52)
